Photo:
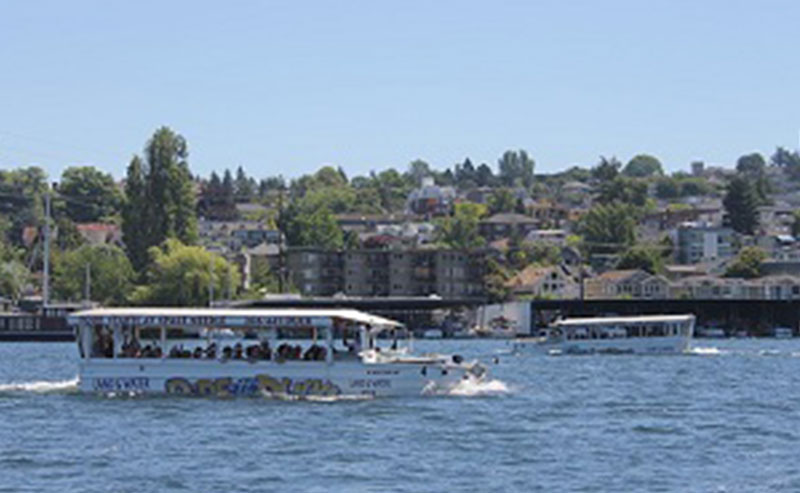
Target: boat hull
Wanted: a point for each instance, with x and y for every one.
(632, 345)
(242, 378)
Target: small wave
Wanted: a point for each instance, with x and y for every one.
(769, 352)
(316, 398)
(41, 386)
(705, 351)
(472, 387)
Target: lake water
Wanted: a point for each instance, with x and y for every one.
(726, 419)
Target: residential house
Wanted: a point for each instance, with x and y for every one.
(430, 199)
(543, 282)
(506, 225)
(231, 236)
(635, 283)
(779, 287)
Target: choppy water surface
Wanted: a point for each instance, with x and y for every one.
(726, 419)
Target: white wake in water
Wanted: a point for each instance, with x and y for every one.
(42, 386)
(705, 351)
(473, 387)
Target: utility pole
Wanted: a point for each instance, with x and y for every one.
(281, 266)
(46, 273)
(211, 282)
(87, 294)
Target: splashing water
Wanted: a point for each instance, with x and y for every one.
(42, 386)
(472, 387)
(705, 351)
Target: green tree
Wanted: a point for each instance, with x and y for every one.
(789, 161)
(417, 170)
(317, 227)
(14, 277)
(608, 228)
(643, 166)
(180, 275)
(161, 201)
(516, 168)
(502, 200)
(461, 230)
(695, 187)
(136, 210)
(625, 190)
(110, 272)
(21, 200)
(89, 194)
(752, 165)
(747, 263)
(245, 187)
(606, 170)
(642, 257)
(668, 188)
(741, 204)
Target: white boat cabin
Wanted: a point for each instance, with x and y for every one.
(622, 327)
(214, 334)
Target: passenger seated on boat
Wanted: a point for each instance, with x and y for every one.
(237, 351)
(266, 352)
(354, 346)
(283, 351)
(176, 351)
(131, 349)
(315, 353)
(211, 351)
(157, 353)
(104, 346)
(297, 352)
(253, 352)
(198, 353)
(227, 352)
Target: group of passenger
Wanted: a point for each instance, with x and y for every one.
(131, 348)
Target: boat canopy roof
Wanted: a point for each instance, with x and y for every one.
(229, 318)
(643, 319)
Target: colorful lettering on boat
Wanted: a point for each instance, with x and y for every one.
(259, 384)
(125, 384)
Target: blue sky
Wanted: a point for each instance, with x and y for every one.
(285, 87)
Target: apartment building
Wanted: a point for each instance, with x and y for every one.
(383, 272)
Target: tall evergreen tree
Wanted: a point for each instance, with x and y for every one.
(135, 228)
(160, 193)
(740, 203)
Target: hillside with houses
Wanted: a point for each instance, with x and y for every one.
(491, 231)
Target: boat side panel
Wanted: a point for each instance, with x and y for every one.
(239, 378)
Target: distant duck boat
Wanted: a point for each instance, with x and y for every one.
(141, 351)
(783, 333)
(651, 334)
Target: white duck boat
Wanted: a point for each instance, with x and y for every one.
(648, 334)
(157, 350)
